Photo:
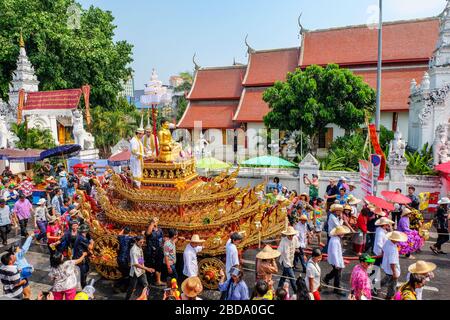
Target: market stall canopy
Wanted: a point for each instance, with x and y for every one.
(19, 155)
(67, 150)
(395, 197)
(268, 161)
(120, 159)
(211, 163)
(380, 203)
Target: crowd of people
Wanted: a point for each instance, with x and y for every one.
(336, 228)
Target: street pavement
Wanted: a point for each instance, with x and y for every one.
(437, 289)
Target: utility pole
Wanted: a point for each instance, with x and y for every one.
(380, 61)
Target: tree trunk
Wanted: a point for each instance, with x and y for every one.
(314, 144)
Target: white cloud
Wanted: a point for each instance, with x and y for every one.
(408, 9)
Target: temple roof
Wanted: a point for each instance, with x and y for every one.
(395, 86)
(266, 67)
(53, 100)
(252, 107)
(224, 83)
(403, 41)
(213, 114)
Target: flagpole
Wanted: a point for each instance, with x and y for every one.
(380, 56)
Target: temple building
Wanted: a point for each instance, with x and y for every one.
(407, 49)
(56, 110)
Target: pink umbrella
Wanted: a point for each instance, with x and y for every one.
(380, 203)
(395, 197)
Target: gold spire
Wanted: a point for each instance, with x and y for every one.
(21, 42)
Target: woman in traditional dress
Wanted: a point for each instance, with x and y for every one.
(415, 241)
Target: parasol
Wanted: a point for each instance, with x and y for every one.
(268, 161)
(395, 197)
(380, 203)
(212, 164)
(61, 151)
(120, 159)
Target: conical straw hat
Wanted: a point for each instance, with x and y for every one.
(397, 236)
(384, 221)
(421, 267)
(340, 230)
(196, 238)
(290, 231)
(268, 253)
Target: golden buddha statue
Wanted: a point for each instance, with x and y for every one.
(168, 149)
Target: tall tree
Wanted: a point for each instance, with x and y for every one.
(64, 54)
(185, 87)
(316, 97)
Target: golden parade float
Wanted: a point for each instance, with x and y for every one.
(173, 191)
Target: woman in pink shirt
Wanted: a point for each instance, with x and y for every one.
(54, 233)
(360, 281)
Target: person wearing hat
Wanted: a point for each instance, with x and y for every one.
(83, 243)
(335, 258)
(191, 287)
(40, 220)
(334, 220)
(348, 219)
(190, 268)
(351, 191)
(318, 219)
(302, 229)
(149, 141)
(391, 263)
(5, 221)
(408, 290)
(11, 196)
(53, 233)
(414, 242)
(424, 269)
(342, 183)
(137, 156)
(353, 202)
(287, 248)
(234, 288)
(313, 274)
(231, 252)
(384, 225)
(360, 281)
(23, 210)
(63, 183)
(266, 265)
(441, 226)
(331, 192)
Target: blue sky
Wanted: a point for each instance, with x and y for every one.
(165, 34)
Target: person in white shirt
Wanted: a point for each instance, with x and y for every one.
(231, 252)
(313, 274)
(334, 220)
(384, 225)
(287, 248)
(335, 258)
(302, 228)
(391, 263)
(138, 269)
(190, 268)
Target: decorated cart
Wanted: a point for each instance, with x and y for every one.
(211, 208)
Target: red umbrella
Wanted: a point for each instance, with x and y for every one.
(395, 197)
(380, 203)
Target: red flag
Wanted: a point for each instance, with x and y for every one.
(378, 150)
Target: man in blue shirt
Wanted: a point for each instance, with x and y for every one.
(123, 258)
(63, 183)
(83, 243)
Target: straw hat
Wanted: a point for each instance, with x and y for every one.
(397, 236)
(347, 207)
(384, 221)
(290, 231)
(406, 212)
(379, 212)
(444, 200)
(196, 238)
(353, 201)
(339, 231)
(192, 287)
(337, 207)
(268, 253)
(305, 195)
(303, 218)
(421, 267)
(41, 201)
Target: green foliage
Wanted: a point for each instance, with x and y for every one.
(334, 162)
(32, 138)
(181, 107)
(62, 57)
(350, 149)
(386, 136)
(317, 97)
(110, 126)
(420, 162)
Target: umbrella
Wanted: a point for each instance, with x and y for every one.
(120, 159)
(61, 151)
(212, 164)
(395, 197)
(268, 161)
(380, 203)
